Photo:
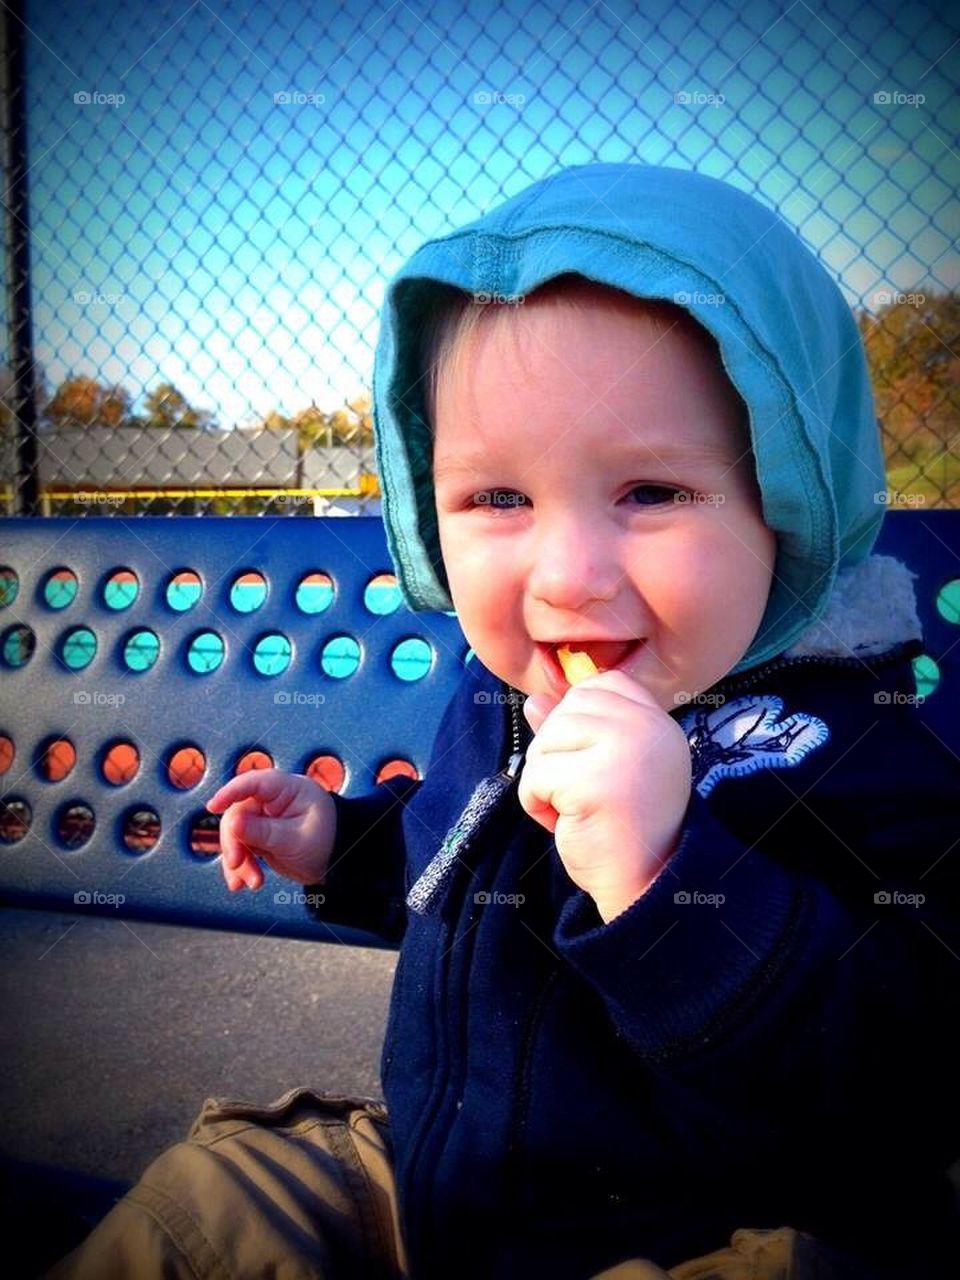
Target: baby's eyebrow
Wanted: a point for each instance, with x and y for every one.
(667, 451)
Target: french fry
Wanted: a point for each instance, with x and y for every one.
(576, 666)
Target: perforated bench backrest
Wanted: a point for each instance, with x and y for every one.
(103, 642)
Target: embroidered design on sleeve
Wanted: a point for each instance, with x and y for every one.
(748, 734)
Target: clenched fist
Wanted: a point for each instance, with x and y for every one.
(608, 774)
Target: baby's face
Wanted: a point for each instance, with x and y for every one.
(593, 484)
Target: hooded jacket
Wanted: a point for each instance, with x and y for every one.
(760, 1040)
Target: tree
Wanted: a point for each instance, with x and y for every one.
(84, 402)
(164, 406)
(911, 350)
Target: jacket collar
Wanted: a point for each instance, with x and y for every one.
(871, 609)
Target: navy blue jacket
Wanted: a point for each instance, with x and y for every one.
(763, 1039)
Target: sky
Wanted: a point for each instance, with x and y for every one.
(221, 191)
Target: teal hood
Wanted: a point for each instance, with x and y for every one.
(788, 340)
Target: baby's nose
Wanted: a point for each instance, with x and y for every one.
(569, 572)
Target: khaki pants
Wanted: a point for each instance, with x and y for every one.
(303, 1189)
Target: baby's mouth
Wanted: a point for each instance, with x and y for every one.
(605, 654)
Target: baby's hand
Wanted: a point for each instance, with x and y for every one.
(285, 818)
(608, 773)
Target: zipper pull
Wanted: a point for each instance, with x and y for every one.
(513, 766)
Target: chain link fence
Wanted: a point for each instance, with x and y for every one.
(205, 202)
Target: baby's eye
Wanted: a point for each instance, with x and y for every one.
(656, 494)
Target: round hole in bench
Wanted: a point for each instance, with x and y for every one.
(7, 752)
(382, 594)
(272, 653)
(314, 593)
(140, 829)
(121, 589)
(9, 585)
(412, 659)
(255, 759)
(15, 818)
(18, 646)
(60, 588)
(248, 591)
(74, 824)
(141, 650)
(948, 601)
(398, 768)
(56, 759)
(205, 835)
(186, 767)
(184, 590)
(205, 652)
(340, 657)
(926, 673)
(120, 763)
(78, 648)
(327, 771)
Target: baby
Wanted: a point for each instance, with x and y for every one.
(646, 1001)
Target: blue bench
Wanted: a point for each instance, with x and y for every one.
(143, 662)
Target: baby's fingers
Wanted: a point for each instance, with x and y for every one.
(262, 785)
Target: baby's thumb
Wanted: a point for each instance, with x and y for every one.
(536, 708)
(257, 832)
